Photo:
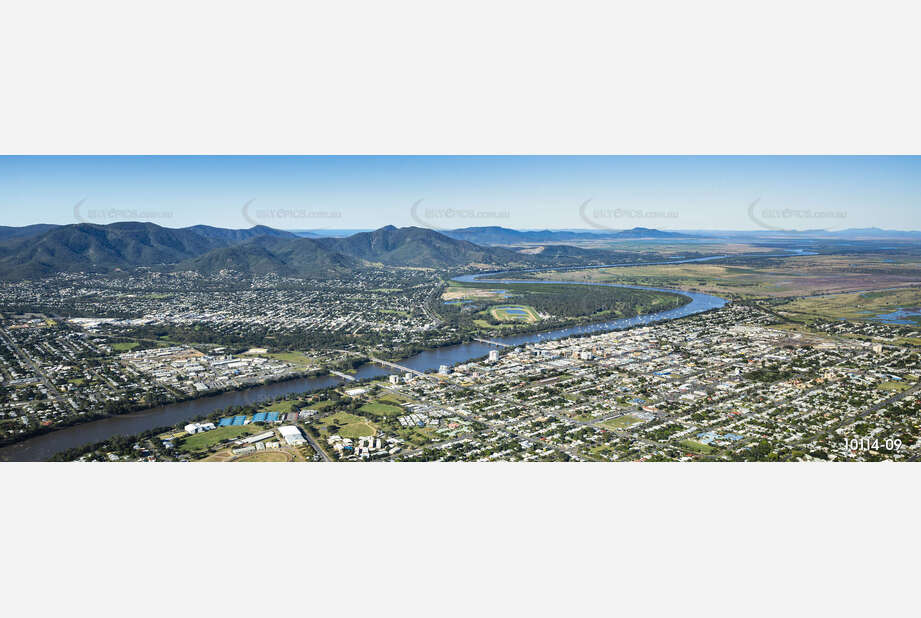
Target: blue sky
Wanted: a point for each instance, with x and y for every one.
(526, 192)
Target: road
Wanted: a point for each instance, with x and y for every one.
(315, 445)
(430, 299)
(502, 345)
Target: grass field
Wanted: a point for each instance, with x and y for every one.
(382, 409)
(320, 405)
(514, 313)
(894, 386)
(853, 306)
(697, 447)
(350, 425)
(124, 346)
(417, 436)
(357, 430)
(295, 358)
(204, 441)
(776, 277)
(281, 406)
(622, 422)
(454, 292)
(398, 312)
(694, 277)
(267, 456)
(391, 397)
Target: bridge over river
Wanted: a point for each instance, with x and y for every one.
(45, 446)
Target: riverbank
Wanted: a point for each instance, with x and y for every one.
(44, 447)
(96, 416)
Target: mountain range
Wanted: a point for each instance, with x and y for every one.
(324, 257)
(27, 231)
(495, 235)
(89, 247)
(41, 250)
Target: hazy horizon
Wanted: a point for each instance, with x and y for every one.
(534, 229)
(594, 193)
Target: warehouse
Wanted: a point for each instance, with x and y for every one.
(193, 428)
(291, 434)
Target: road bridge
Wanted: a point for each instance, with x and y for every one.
(501, 345)
(395, 366)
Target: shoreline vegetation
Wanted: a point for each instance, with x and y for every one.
(125, 409)
(119, 442)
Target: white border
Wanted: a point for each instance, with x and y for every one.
(484, 77)
(462, 539)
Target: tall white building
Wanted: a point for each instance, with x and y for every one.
(493, 356)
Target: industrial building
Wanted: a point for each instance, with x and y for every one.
(291, 434)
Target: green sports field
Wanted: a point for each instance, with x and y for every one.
(514, 313)
(382, 409)
(622, 422)
(204, 441)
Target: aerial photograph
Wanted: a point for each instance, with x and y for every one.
(460, 309)
(524, 308)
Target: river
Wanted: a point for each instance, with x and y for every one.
(43, 447)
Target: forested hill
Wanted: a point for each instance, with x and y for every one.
(39, 252)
